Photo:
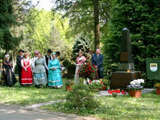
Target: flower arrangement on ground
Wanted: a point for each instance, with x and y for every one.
(88, 70)
(135, 87)
(157, 86)
(106, 83)
(68, 84)
(115, 92)
(95, 85)
(136, 84)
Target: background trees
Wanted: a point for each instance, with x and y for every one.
(86, 17)
(142, 19)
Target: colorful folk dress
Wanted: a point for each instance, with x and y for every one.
(8, 75)
(26, 77)
(54, 76)
(40, 77)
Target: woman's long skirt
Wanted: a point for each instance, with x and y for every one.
(54, 79)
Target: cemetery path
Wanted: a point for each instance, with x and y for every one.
(8, 112)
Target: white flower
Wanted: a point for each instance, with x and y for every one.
(132, 82)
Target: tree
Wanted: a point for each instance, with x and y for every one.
(142, 18)
(81, 44)
(86, 17)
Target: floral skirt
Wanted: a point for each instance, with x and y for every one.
(40, 78)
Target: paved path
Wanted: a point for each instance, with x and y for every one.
(15, 113)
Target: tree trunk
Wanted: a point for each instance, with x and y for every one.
(96, 25)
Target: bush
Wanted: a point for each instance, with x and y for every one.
(81, 98)
(71, 70)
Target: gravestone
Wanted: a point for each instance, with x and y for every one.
(120, 78)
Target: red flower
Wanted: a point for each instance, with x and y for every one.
(90, 81)
(101, 82)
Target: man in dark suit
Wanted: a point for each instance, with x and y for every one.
(19, 58)
(97, 60)
(46, 59)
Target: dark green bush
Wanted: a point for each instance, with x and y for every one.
(81, 98)
(71, 70)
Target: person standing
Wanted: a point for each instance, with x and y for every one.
(54, 73)
(40, 77)
(19, 58)
(97, 60)
(46, 59)
(9, 77)
(26, 77)
(34, 58)
(79, 61)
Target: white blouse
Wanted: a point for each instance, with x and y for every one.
(24, 59)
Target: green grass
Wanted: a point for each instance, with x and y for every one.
(121, 108)
(25, 96)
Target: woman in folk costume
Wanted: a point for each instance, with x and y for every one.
(9, 77)
(80, 61)
(26, 77)
(54, 73)
(40, 77)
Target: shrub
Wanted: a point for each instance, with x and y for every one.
(81, 98)
(71, 70)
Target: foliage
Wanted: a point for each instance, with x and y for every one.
(88, 70)
(81, 14)
(69, 83)
(44, 31)
(81, 98)
(10, 21)
(142, 19)
(81, 44)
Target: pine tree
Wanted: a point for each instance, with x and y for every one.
(81, 44)
(142, 18)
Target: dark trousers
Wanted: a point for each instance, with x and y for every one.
(47, 77)
(20, 71)
(100, 74)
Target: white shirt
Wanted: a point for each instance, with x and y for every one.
(33, 61)
(24, 59)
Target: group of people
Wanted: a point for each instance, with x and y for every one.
(44, 71)
(40, 71)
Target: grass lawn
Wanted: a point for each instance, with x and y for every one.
(121, 108)
(24, 96)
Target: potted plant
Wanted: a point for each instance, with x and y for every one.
(157, 86)
(96, 86)
(135, 88)
(68, 84)
(106, 84)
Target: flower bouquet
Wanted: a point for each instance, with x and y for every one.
(157, 86)
(106, 83)
(135, 87)
(88, 70)
(68, 84)
(94, 85)
(115, 92)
